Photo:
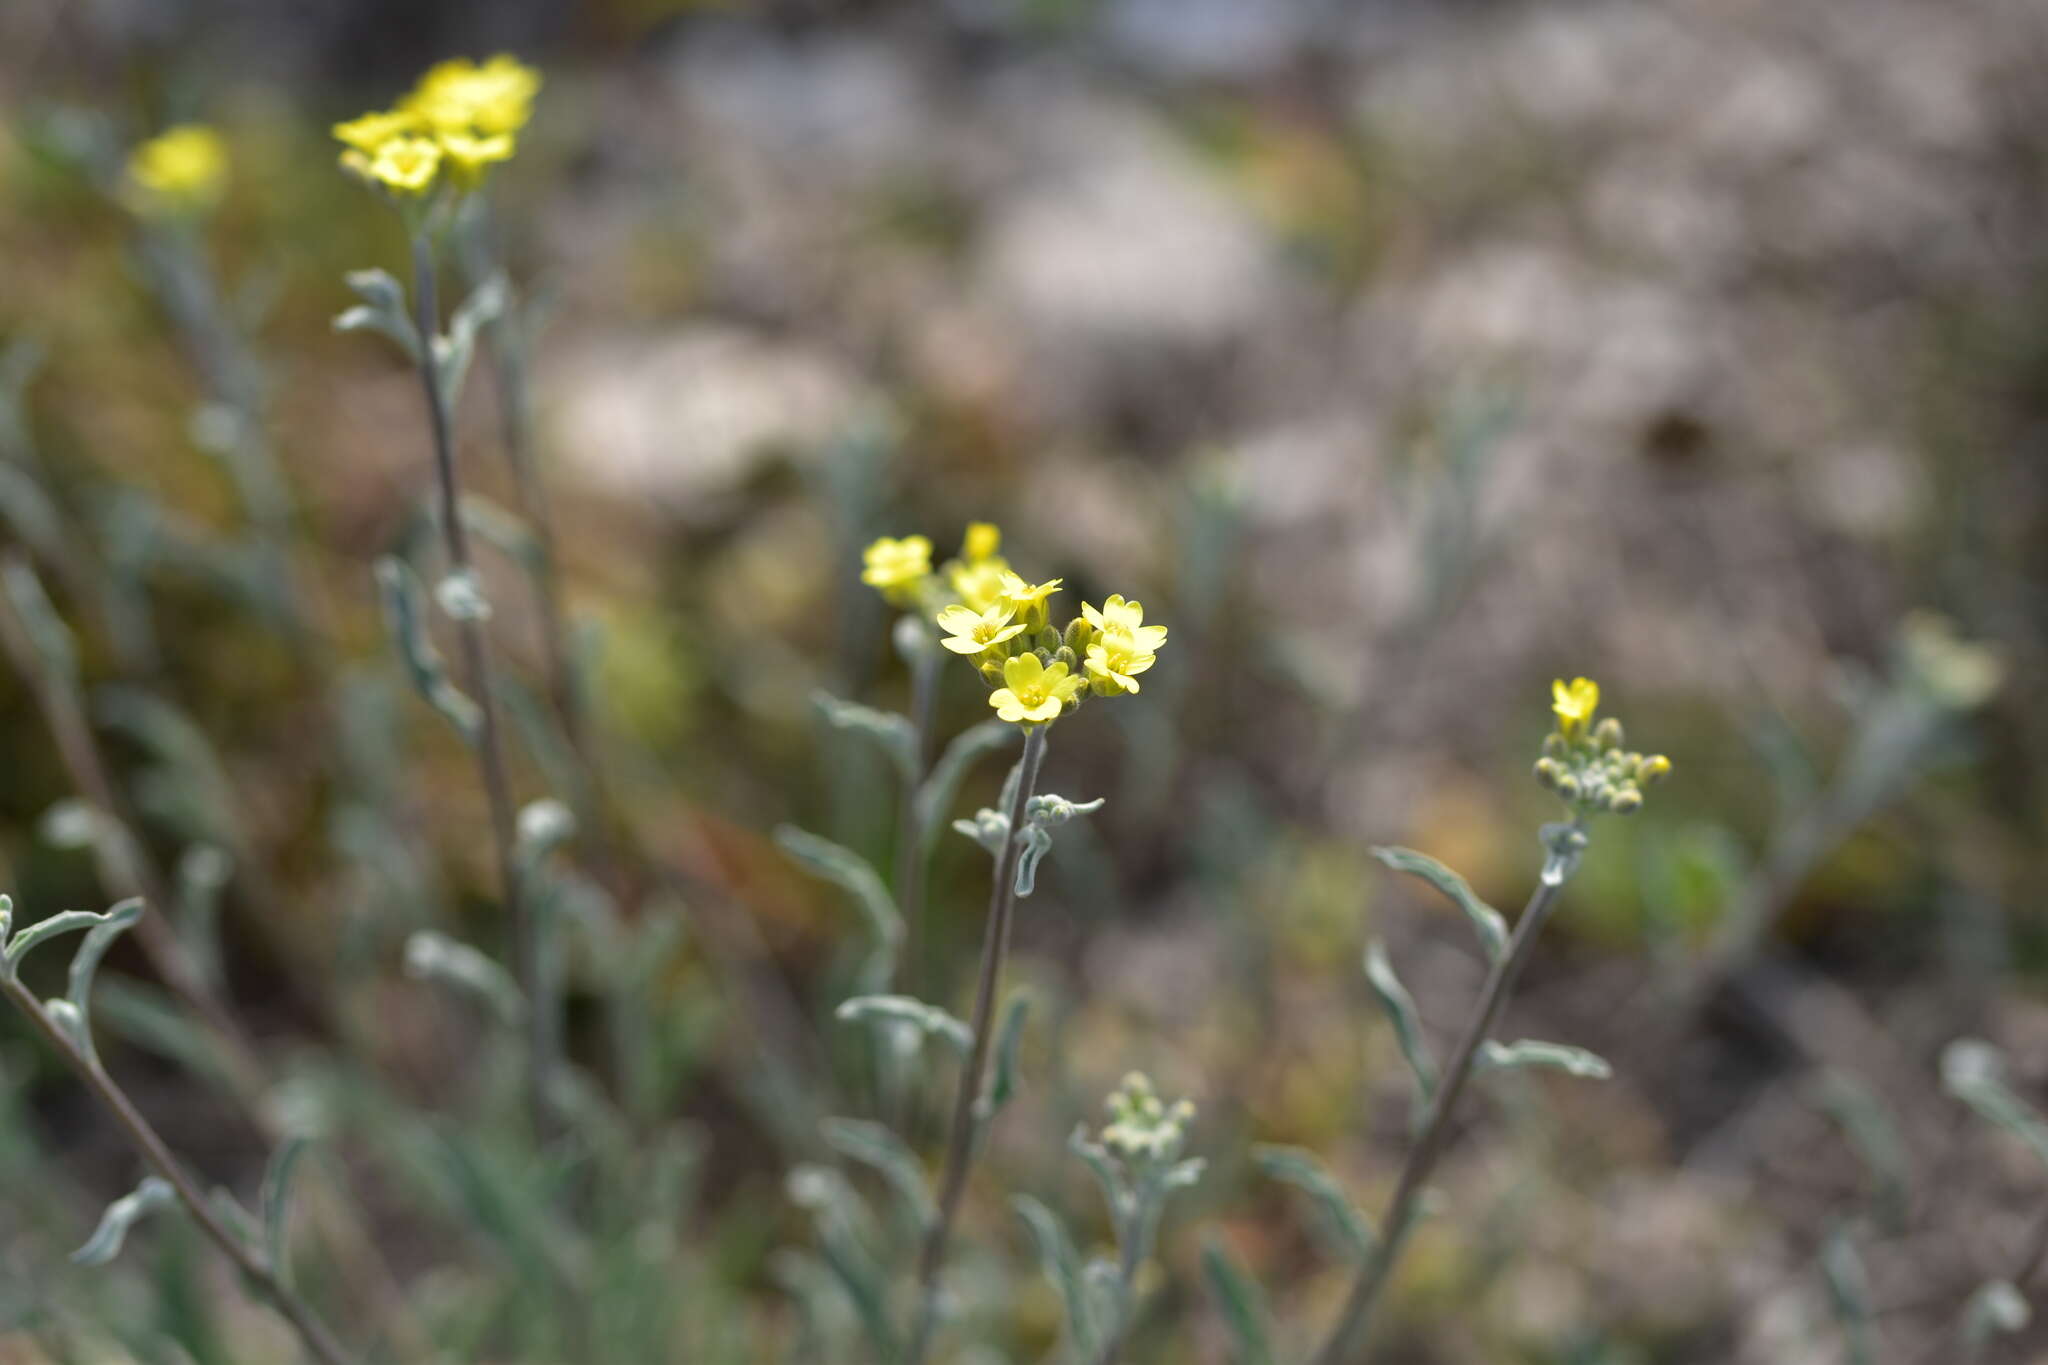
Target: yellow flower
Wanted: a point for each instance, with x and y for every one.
(1118, 615)
(896, 567)
(1022, 594)
(406, 164)
(1036, 693)
(982, 541)
(372, 130)
(1114, 660)
(1574, 704)
(181, 170)
(970, 632)
(468, 155)
(460, 96)
(980, 585)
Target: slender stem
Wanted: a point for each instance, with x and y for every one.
(911, 843)
(967, 1104)
(1348, 1335)
(1133, 1247)
(319, 1342)
(489, 749)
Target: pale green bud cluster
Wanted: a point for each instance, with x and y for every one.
(1144, 1129)
(1592, 769)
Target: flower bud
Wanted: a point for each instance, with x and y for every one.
(1607, 734)
(1553, 745)
(992, 674)
(1655, 768)
(1047, 640)
(1567, 786)
(1064, 655)
(1548, 771)
(1079, 634)
(1627, 801)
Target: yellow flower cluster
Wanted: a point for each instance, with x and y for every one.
(1585, 763)
(992, 615)
(179, 171)
(461, 119)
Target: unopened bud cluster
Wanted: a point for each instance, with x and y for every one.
(1144, 1129)
(1587, 763)
(1002, 624)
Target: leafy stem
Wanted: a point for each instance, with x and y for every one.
(968, 1104)
(1347, 1337)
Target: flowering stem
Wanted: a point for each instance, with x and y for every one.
(911, 840)
(255, 1266)
(968, 1104)
(1348, 1336)
(489, 750)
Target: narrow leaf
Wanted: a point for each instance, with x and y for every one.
(67, 922)
(1557, 1056)
(1061, 1264)
(932, 1020)
(1974, 1072)
(895, 734)
(432, 956)
(1486, 921)
(1400, 1008)
(875, 1146)
(124, 1213)
(1306, 1172)
(405, 616)
(1242, 1303)
(276, 1199)
(851, 872)
(940, 788)
(1009, 1036)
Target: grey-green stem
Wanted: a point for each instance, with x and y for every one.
(911, 841)
(488, 746)
(967, 1103)
(320, 1343)
(1347, 1337)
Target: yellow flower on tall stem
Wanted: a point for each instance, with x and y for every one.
(1034, 692)
(1114, 661)
(1117, 614)
(180, 170)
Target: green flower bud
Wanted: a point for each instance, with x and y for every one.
(1655, 768)
(1066, 656)
(1607, 734)
(992, 674)
(1548, 771)
(1079, 634)
(1627, 801)
(1553, 745)
(1047, 640)
(1568, 786)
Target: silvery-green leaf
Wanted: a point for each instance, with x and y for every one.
(844, 1235)
(39, 619)
(1242, 1304)
(276, 1201)
(453, 352)
(1564, 843)
(382, 310)
(1974, 1072)
(942, 785)
(400, 591)
(1061, 1264)
(1557, 1056)
(1305, 1171)
(873, 1145)
(6, 917)
(544, 826)
(1849, 1292)
(894, 733)
(105, 1243)
(1996, 1308)
(851, 872)
(66, 922)
(1400, 1008)
(431, 956)
(73, 823)
(504, 532)
(1875, 1136)
(86, 961)
(988, 828)
(1009, 1036)
(1486, 921)
(1049, 808)
(1103, 1167)
(70, 1022)
(1183, 1174)
(932, 1020)
(1036, 844)
(202, 875)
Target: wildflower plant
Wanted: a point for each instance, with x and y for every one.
(1585, 764)
(1036, 672)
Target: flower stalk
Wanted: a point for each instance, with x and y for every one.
(488, 745)
(968, 1103)
(256, 1267)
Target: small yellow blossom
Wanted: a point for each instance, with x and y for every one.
(468, 155)
(970, 632)
(1118, 615)
(371, 131)
(1035, 692)
(1114, 660)
(896, 567)
(980, 585)
(406, 164)
(1574, 703)
(459, 96)
(981, 542)
(181, 170)
(1023, 594)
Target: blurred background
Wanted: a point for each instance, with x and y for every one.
(1400, 357)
